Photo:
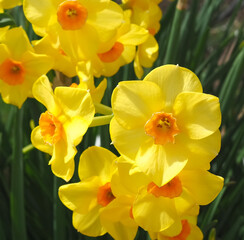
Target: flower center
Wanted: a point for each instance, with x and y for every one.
(185, 232)
(12, 72)
(105, 195)
(71, 15)
(162, 127)
(171, 189)
(113, 54)
(51, 128)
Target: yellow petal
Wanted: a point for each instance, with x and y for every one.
(161, 163)
(200, 151)
(127, 142)
(37, 141)
(52, 48)
(79, 44)
(135, 36)
(148, 52)
(198, 114)
(36, 64)
(62, 161)
(107, 21)
(171, 231)
(161, 209)
(185, 202)
(89, 224)
(75, 102)
(124, 183)
(98, 93)
(96, 161)
(173, 80)
(43, 92)
(17, 41)
(80, 197)
(75, 129)
(134, 102)
(42, 13)
(202, 185)
(137, 66)
(195, 234)
(120, 225)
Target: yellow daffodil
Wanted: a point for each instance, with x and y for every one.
(168, 203)
(165, 121)
(80, 25)
(20, 66)
(51, 46)
(87, 198)
(188, 231)
(6, 4)
(61, 128)
(120, 50)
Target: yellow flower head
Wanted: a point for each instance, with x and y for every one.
(87, 198)
(61, 128)
(165, 122)
(168, 203)
(20, 66)
(80, 25)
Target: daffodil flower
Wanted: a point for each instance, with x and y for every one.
(165, 122)
(167, 204)
(61, 128)
(20, 66)
(80, 25)
(93, 193)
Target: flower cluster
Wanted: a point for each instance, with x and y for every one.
(164, 127)
(166, 131)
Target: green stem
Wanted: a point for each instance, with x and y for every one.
(17, 206)
(58, 212)
(27, 148)
(103, 109)
(101, 120)
(172, 48)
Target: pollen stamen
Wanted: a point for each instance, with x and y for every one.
(12, 72)
(162, 127)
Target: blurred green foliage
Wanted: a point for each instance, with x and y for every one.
(207, 37)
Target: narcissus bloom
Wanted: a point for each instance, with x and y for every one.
(20, 66)
(168, 203)
(61, 128)
(87, 198)
(165, 121)
(81, 25)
